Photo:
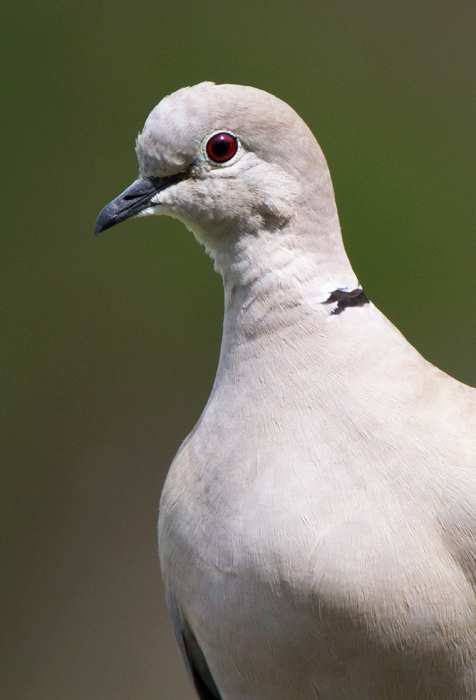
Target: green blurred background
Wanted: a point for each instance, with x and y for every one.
(109, 345)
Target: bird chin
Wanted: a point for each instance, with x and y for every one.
(148, 211)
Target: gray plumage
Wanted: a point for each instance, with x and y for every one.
(317, 528)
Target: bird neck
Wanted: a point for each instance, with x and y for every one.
(278, 285)
(271, 274)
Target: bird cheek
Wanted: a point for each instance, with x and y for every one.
(172, 200)
(196, 200)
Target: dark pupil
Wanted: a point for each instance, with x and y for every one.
(221, 147)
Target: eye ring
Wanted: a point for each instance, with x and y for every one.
(221, 147)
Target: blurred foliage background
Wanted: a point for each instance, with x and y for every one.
(109, 345)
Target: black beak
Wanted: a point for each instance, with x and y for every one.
(132, 201)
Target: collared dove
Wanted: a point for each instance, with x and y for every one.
(317, 529)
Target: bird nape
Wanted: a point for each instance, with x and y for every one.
(317, 528)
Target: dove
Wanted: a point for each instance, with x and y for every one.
(317, 528)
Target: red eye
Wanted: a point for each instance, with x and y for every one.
(221, 147)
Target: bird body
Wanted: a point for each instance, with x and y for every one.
(317, 528)
(318, 554)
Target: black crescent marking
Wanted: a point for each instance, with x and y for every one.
(202, 678)
(344, 299)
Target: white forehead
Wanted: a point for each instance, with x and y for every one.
(171, 134)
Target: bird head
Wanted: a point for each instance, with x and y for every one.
(223, 159)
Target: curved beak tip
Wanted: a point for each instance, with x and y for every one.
(105, 219)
